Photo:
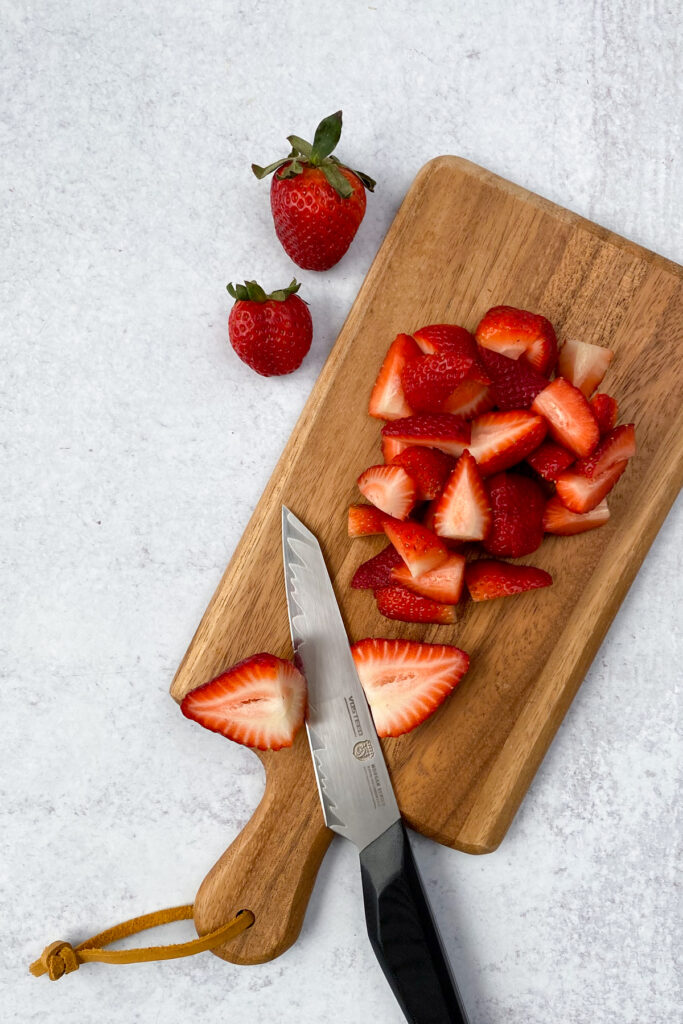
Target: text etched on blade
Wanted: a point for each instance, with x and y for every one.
(353, 715)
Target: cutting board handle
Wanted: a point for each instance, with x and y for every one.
(271, 866)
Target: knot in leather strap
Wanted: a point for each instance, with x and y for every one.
(59, 958)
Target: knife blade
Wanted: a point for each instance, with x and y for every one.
(355, 789)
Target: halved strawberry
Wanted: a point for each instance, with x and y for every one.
(605, 410)
(376, 572)
(260, 703)
(365, 520)
(405, 682)
(463, 511)
(550, 459)
(419, 548)
(501, 439)
(514, 383)
(516, 333)
(487, 579)
(400, 603)
(387, 401)
(450, 434)
(469, 399)
(441, 584)
(617, 445)
(389, 488)
(580, 493)
(429, 380)
(558, 519)
(517, 506)
(428, 467)
(584, 365)
(570, 418)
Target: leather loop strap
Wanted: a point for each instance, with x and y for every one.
(60, 958)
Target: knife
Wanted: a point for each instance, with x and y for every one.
(357, 797)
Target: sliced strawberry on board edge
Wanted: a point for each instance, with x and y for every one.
(388, 401)
(517, 507)
(584, 365)
(569, 416)
(420, 549)
(428, 467)
(519, 334)
(502, 439)
(463, 511)
(550, 459)
(605, 410)
(376, 572)
(469, 399)
(580, 493)
(389, 488)
(366, 520)
(617, 445)
(405, 682)
(400, 603)
(488, 579)
(259, 702)
(448, 433)
(514, 384)
(443, 584)
(559, 520)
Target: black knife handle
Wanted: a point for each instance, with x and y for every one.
(403, 933)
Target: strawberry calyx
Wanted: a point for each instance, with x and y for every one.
(317, 154)
(251, 291)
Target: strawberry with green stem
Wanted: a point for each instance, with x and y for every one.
(270, 333)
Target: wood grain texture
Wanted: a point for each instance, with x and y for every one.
(462, 241)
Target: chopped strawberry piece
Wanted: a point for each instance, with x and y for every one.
(570, 418)
(260, 703)
(387, 401)
(488, 579)
(448, 433)
(405, 682)
(619, 444)
(400, 603)
(501, 439)
(580, 493)
(462, 512)
(391, 447)
(550, 459)
(428, 381)
(444, 338)
(514, 384)
(584, 365)
(469, 399)
(428, 467)
(605, 410)
(376, 572)
(517, 506)
(441, 584)
(389, 488)
(516, 333)
(365, 520)
(558, 519)
(420, 549)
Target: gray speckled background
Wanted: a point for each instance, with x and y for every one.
(135, 446)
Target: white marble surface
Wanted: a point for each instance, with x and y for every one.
(135, 445)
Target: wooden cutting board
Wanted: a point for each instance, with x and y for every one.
(463, 240)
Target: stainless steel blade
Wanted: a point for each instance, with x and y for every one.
(355, 790)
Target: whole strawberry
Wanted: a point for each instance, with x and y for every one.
(271, 333)
(317, 202)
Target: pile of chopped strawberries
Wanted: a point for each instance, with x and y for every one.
(490, 442)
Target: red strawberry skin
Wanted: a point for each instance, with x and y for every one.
(428, 381)
(617, 445)
(580, 493)
(514, 384)
(271, 337)
(428, 467)
(605, 410)
(399, 603)
(376, 572)
(559, 520)
(312, 221)
(488, 579)
(445, 338)
(517, 333)
(550, 459)
(366, 520)
(448, 433)
(388, 401)
(517, 507)
(419, 548)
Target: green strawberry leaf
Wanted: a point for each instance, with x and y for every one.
(337, 180)
(302, 147)
(250, 291)
(327, 135)
(262, 172)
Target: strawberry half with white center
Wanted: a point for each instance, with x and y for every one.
(605, 410)
(317, 203)
(388, 401)
(584, 365)
(469, 399)
(376, 572)
(558, 519)
(550, 459)
(519, 334)
(488, 579)
(463, 511)
(617, 445)
(580, 493)
(428, 467)
(400, 603)
(366, 520)
(517, 507)
(514, 384)
(389, 488)
(501, 439)
(441, 584)
(420, 549)
(260, 703)
(569, 416)
(450, 434)
(405, 682)
(270, 333)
